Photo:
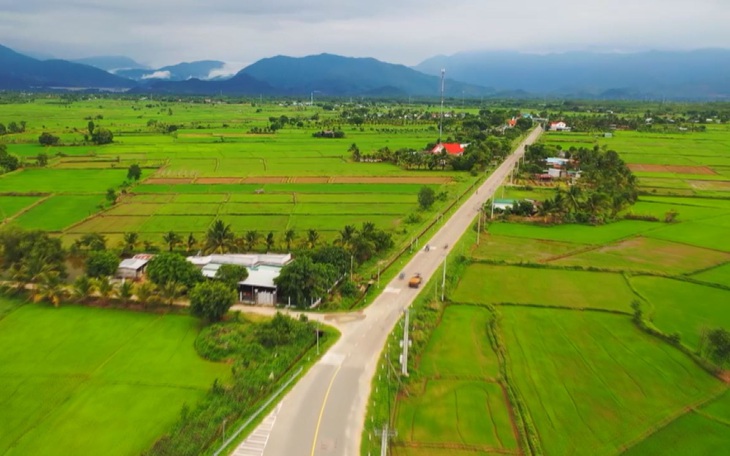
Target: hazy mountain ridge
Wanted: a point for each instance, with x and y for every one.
(334, 75)
(673, 74)
(19, 72)
(111, 63)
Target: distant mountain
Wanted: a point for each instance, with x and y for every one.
(241, 84)
(335, 75)
(19, 72)
(676, 74)
(111, 63)
(180, 72)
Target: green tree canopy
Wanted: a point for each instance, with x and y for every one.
(304, 281)
(219, 238)
(172, 267)
(102, 136)
(426, 197)
(231, 274)
(211, 300)
(101, 263)
(134, 172)
(47, 139)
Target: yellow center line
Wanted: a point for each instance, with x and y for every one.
(321, 412)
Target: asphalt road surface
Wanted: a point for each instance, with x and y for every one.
(324, 414)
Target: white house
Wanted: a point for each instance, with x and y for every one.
(558, 126)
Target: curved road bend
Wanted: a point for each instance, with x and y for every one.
(324, 413)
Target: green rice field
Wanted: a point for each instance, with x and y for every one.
(597, 378)
(75, 371)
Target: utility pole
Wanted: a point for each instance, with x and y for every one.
(441, 121)
(479, 224)
(443, 280)
(385, 433)
(351, 260)
(405, 343)
(316, 329)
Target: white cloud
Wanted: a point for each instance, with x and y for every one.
(227, 70)
(157, 75)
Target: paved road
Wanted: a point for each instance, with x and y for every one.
(324, 413)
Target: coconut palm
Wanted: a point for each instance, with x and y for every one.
(131, 241)
(82, 289)
(251, 239)
(146, 293)
(289, 237)
(270, 241)
(172, 239)
(125, 291)
(312, 238)
(172, 290)
(191, 242)
(346, 235)
(105, 288)
(49, 287)
(219, 238)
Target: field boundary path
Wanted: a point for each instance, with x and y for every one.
(324, 412)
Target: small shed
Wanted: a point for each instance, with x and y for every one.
(259, 287)
(133, 268)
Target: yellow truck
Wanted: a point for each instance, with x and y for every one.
(415, 281)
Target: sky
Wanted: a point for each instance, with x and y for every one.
(240, 32)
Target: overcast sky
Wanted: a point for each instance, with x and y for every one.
(160, 32)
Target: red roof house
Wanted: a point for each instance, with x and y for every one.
(451, 148)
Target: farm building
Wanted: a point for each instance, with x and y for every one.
(133, 268)
(259, 286)
(454, 149)
(559, 126)
(503, 204)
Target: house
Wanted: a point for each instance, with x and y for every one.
(555, 173)
(133, 268)
(503, 204)
(558, 126)
(454, 149)
(512, 122)
(557, 161)
(259, 286)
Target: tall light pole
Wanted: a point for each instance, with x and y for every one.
(441, 121)
(405, 342)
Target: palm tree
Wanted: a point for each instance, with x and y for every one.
(172, 239)
(191, 242)
(251, 239)
(49, 288)
(219, 238)
(172, 290)
(574, 194)
(368, 228)
(312, 238)
(105, 288)
(270, 241)
(346, 235)
(146, 292)
(289, 236)
(83, 288)
(126, 290)
(131, 241)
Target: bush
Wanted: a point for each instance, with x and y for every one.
(101, 263)
(211, 300)
(171, 267)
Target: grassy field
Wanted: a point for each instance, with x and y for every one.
(720, 275)
(550, 287)
(214, 166)
(459, 402)
(118, 378)
(596, 378)
(497, 247)
(647, 254)
(682, 307)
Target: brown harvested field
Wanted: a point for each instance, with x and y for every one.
(264, 180)
(169, 180)
(218, 180)
(311, 180)
(647, 254)
(390, 180)
(710, 185)
(677, 169)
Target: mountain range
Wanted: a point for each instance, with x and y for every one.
(701, 74)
